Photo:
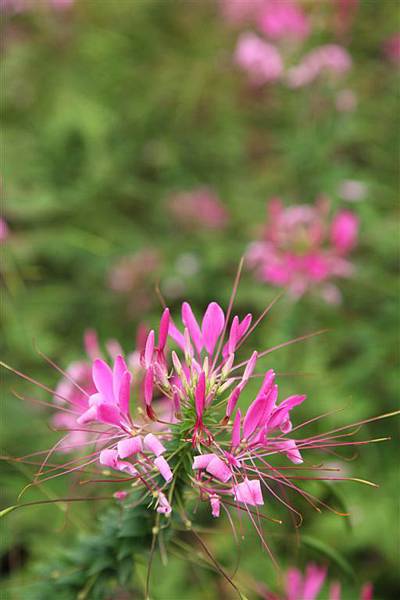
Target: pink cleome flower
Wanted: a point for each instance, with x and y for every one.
(260, 59)
(280, 20)
(392, 49)
(308, 586)
(300, 250)
(202, 443)
(328, 59)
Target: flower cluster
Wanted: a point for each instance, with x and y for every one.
(309, 586)
(271, 58)
(300, 249)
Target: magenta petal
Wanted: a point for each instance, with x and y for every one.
(163, 467)
(125, 392)
(189, 321)
(294, 584)
(233, 335)
(153, 444)
(254, 416)
(200, 394)
(129, 446)
(248, 492)
(212, 326)
(176, 335)
(313, 581)
(103, 379)
(109, 414)
(163, 331)
(236, 430)
(148, 386)
(118, 371)
(149, 350)
(289, 447)
(280, 415)
(251, 363)
(367, 591)
(244, 325)
(219, 469)
(201, 461)
(109, 458)
(233, 399)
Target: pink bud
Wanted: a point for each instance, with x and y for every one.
(148, 386)
(149, 350)
(200, 394)
(215, 505)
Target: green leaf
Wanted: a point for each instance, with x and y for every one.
(331, 553)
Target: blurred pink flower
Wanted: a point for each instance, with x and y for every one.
(258, 58)
(392, 48)
(4, 230)
(298, 251)
(309, 585)
(344, 231)
(330, 58)
(28, 5)
(280, 20)
(200, 207)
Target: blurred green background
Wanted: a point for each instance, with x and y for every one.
(109, 108)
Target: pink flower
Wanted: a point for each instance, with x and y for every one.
(258, 58)
(280, 20)
(296, 252)
(248, 492)
(309, 586)
(392, 48)
(330, 58)
(344, 231)
(200, 207)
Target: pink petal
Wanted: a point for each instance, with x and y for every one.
(233, 399)
(244, 325)
(233, 335)
(289, 447)
(212, 326)
(149, 350)
(257, 411)
(280, 415)
(129, 446)
(366, 592)
(236, 430)
(189, 321)
(200, 394)
(163, 331)
(248, 492)
(201, 461)
(148, 386)
(313, 581)
(219, 469)
(103, 379)
(119, 369)
(153, 444)
(163, 467)
(125, 392)
(109, 414)
(215, 505)
(88, 416)
(109, 458)
(176, 335)
(294, 584)
(251, 363)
